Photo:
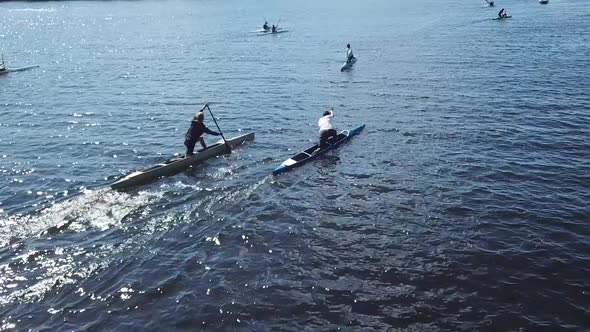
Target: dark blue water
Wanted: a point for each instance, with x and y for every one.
(462, 206)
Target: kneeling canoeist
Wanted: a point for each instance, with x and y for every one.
(502, 13)
(274, 29)
(349, 55)
(327, 131)
(195, 131)
(266, 26)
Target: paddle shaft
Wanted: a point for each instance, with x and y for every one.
(228, 148)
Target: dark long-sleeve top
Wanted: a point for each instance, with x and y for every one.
(197, 129)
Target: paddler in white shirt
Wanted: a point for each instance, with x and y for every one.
(349, 55)
(327, 131)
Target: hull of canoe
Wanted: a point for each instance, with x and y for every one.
(178, 164)
(307, 155)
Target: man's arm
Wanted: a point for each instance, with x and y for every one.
(210, 132)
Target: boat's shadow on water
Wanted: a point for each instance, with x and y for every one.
(194, 173)
(327, 163)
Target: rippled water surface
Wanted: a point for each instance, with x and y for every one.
(462, 206)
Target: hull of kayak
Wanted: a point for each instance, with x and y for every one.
(348, 65)
(266, 30)
(265, 33)
(12, 70)
(178, 164)
(502, 18)
(543, 2)
(21, 69)
(309, 155)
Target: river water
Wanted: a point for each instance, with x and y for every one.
(462, 206)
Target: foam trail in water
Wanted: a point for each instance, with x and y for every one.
(99, 209)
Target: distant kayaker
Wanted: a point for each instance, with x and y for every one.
(195, 131)
(490, 3)
(274, 29)
(502, 13)
(2, 68)
(327, 131)
(266, 26)
(349, 55)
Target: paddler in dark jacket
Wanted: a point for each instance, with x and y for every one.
(193, 135)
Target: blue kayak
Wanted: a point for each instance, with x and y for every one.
(347, 65)
(308, 155)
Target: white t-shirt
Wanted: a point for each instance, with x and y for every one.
(325, 122)
(349, 52)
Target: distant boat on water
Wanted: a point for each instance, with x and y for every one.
(543, 2)
(5, 70)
